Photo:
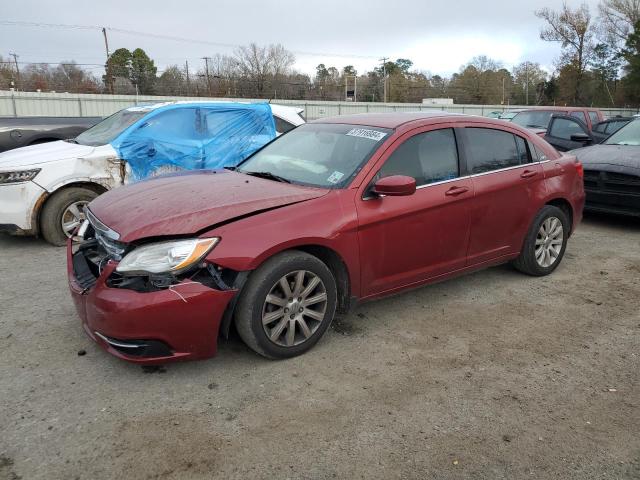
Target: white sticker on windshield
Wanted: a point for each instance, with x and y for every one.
(335, 177)
(366, 133)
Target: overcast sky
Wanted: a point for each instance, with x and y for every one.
(437, 36)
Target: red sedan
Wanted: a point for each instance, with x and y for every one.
(335, 212)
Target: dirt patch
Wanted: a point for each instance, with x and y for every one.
(494, 375)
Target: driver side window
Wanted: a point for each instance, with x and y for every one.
(564, 128)
(428, 157)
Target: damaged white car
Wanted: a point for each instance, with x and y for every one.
(44, 188)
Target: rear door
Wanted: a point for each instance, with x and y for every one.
(508, 185)
(567, 133)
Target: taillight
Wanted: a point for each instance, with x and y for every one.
(580, 169)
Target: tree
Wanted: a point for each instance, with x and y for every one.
(404, 65)
(574, 31)
(618, 18)
(631, 54)
(606, 64)
(143, 72)
(528, 79)
(349, 70)
(263, 64)
(171, 82)
(118, 66)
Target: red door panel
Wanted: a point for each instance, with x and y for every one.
(408, 239)
(505, 203)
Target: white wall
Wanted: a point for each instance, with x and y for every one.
(88, 105)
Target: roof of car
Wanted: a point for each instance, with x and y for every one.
(387, 120)
(553, 109)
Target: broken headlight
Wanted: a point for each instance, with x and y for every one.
(166, 257)
(18, 176)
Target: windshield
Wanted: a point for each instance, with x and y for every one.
(507, 116)
(627, 135)
(533, 119)
(108, 129)
(322, 155)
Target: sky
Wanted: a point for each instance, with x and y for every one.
(437, 36)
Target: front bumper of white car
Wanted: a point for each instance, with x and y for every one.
(18, 202)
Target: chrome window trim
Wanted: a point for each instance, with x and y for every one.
(101, 227)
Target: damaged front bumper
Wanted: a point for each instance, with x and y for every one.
(19, 204)
(179, 322)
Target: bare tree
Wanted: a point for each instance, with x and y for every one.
(261, 64)
(618, 18)
(575, 32)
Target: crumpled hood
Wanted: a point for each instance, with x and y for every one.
(610, 158)
(189, 202)
(42, 153)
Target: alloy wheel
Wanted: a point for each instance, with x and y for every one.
(73, 216)
(549, 242)
(294, 308)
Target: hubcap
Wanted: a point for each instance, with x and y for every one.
(73, 216)
(294, 308)
(549, 242)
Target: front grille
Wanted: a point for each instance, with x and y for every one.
(99, 245)
(612, 192)
(611, 182)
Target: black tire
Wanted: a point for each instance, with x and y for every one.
(51, 215)
(248, 315)
(527, 262)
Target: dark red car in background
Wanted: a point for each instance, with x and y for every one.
(334, 212)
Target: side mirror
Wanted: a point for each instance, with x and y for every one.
(581, 137)
(395, 186)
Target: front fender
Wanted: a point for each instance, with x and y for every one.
(329, 222)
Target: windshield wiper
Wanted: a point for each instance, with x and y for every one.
(269, 176)
(535, 126)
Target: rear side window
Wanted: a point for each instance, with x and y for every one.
(282, 126)
(563, 128)
(601, 127)
(580, 116)
(491, 150)
(523, 152)
(594, 117)
(428, 157)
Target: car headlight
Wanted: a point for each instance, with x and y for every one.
(18, 176)
(166, 257)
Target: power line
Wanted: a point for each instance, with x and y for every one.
(169, 37)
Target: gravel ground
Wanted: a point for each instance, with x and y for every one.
(493, 375)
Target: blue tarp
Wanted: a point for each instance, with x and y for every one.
(194, 136)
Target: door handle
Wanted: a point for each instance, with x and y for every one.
(528, 174)
(453, 191)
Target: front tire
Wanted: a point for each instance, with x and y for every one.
(287, 305)
(545, 243)
(63, 213)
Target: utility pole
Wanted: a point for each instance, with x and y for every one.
(503, 79)
(186, 67)
(15, 60)
(206, 62)
(384, 77)
(106, 65)
(526, 69)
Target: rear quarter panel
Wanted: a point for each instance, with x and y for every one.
(564, 182)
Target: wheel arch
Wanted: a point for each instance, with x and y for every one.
(564, 205)
(42, 201)
(332, 259)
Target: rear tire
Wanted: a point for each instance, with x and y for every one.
(287, 305)
(545, 243)
(67, 203)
